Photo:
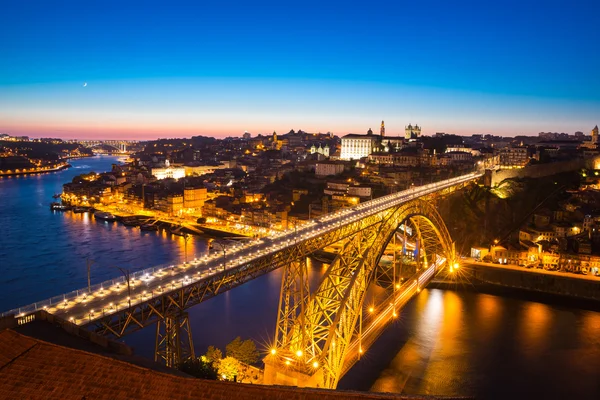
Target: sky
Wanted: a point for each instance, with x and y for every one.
(142, 70)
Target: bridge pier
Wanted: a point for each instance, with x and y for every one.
(279, 372)
(174, 341)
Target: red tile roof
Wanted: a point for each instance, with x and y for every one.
(33, 369)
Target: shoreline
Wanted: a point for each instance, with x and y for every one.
(40, 171)
(477, 286)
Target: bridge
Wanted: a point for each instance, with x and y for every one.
(319, 334)
(119, 145)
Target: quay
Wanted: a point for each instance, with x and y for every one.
(39, 170)
(578, 286)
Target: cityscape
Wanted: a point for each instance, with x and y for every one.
(228, 201)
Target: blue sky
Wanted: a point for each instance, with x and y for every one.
(219, 68)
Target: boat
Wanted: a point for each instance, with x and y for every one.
(59, 207)
(177, 231)
(80, 209)
(149, 227)
(104, 216)
(132, 221)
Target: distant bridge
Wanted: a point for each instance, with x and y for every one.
(120, 145)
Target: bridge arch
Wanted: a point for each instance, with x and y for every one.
(313, 337)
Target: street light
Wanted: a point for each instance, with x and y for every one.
(224, 254)
(89, 263)
(186, 237)
(125, 273)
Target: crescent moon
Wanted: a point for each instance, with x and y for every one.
(84, 84)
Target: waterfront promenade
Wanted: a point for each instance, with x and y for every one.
(36, 170)
(534, 279)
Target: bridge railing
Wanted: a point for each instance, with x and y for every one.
(134, 277)
(138, 275)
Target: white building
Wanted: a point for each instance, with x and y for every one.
(355, 146)
(168, 171)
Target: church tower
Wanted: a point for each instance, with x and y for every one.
(595, 135)
(382, 130)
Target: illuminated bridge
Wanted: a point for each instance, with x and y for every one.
(320, 333)
(120, 145)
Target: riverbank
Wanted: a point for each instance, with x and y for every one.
(39, 170)
(564, 289)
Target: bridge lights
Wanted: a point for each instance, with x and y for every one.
(456, 265)
(394, 314)
(273, 351)
(315, 364)
(371, 309)
(299, 353)
(360, 350)
(397, 286)
(287, 362)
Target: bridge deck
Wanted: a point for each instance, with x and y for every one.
(156, 291)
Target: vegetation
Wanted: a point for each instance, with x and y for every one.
(199, 368)
(229, 368)
(242, 350)
(213, 355)
(240, 353)
(477, 215)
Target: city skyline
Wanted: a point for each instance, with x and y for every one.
(110, 71)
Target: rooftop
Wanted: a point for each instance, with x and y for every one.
(35, 369)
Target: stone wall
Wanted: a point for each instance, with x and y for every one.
(541, 170)
(539, 282)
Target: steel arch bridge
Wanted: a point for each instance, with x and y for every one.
(316, 330)
(321, 327)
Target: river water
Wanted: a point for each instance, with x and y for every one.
(444, 343)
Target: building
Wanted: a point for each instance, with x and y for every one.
(320, 150)
(168, 171)
(344, 189)
(513, 157)
(193, 199)
(326, 168)
(171, 204)
(412, 132)
(356, 146)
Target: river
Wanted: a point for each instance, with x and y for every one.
(445, 342)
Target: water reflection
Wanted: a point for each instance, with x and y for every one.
(43, 253)
(471, 344)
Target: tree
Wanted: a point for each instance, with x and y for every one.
(199, 368)
(243, 350)
(229, 368)
(213, 356)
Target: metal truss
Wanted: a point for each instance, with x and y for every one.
(320, 337)
(174, 341)
(306, 323)
(144, 313)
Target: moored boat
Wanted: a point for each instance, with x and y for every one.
(59, 207)
(80, 209)
(149, 227)
(104, 216)
(132, 221)
(178, 230)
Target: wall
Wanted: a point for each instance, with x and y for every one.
(530, 280)
(541, 170)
